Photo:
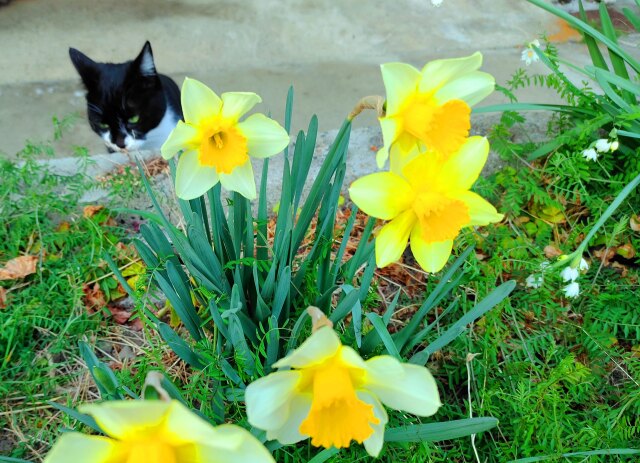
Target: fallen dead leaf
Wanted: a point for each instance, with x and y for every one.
(624, 270)
(120, 316)
(550, 251)
(90, 211)
(634, 223)
(627, 251)
(605, 255)
(3, 297)
(94, 298)
(136, 325)
(19, 267)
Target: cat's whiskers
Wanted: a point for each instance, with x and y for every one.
(95, 108)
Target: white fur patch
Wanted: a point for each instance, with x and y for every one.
(155, 137)
(106, 137)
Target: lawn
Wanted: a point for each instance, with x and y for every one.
(531, 363)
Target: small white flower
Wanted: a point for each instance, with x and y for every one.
(534, 281)
(544, 264)
(603, 145)
(572, 290)
(436, 2)
(569, 273)
(590, 154)
(529, 56)
(584, 265)
(615, 145)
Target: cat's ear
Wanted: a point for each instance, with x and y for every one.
(144, 62)
(86, 67)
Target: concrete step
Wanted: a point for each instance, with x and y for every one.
(329, 51)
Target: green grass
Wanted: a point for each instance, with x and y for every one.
(560, 375)
(45, 314)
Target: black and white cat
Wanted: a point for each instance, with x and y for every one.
(129, 104)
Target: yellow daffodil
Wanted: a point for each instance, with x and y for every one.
(428, 203)
(325, 391)
(216, 145)
(430, 109)
(156, 432)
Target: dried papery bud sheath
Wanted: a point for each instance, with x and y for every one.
(318, 318)
(375, 102)
(152, 388)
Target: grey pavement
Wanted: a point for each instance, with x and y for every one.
(329, 50)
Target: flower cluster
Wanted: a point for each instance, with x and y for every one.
(570, 274)
(322, 390)
(600, 146)
(426, 194)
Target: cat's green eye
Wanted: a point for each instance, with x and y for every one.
(134, 119)
(103, 125)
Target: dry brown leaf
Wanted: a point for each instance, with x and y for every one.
(624, 270)
(551, 251)
(605, 255)
(634, 223)
(3, 297)
(90, 211)
(19, 267)
(627, 251)
(136, 325)
(94, 298)
(120, 316)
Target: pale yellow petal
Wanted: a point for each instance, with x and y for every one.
(383, 195)
(373, 445)
(241, 180)
(430, 256)
(402, 386)
(400, 81)
(472, 88)
(289, 433)
(124, 419)
(462, 168)
(481, 211)
(390, 131)
(192, 178)
(265, 137)
(423, 169)
(398, 158)
(269, 399)
(182, 426)
(318, 347)
(199, 102)
(392, 239)
(237, 104)
(234, 445)
(351, 358)
(74, 446)
(437, 73)
(183, 137)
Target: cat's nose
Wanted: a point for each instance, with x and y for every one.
(119, 141)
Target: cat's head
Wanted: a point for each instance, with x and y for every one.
(124, 101)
